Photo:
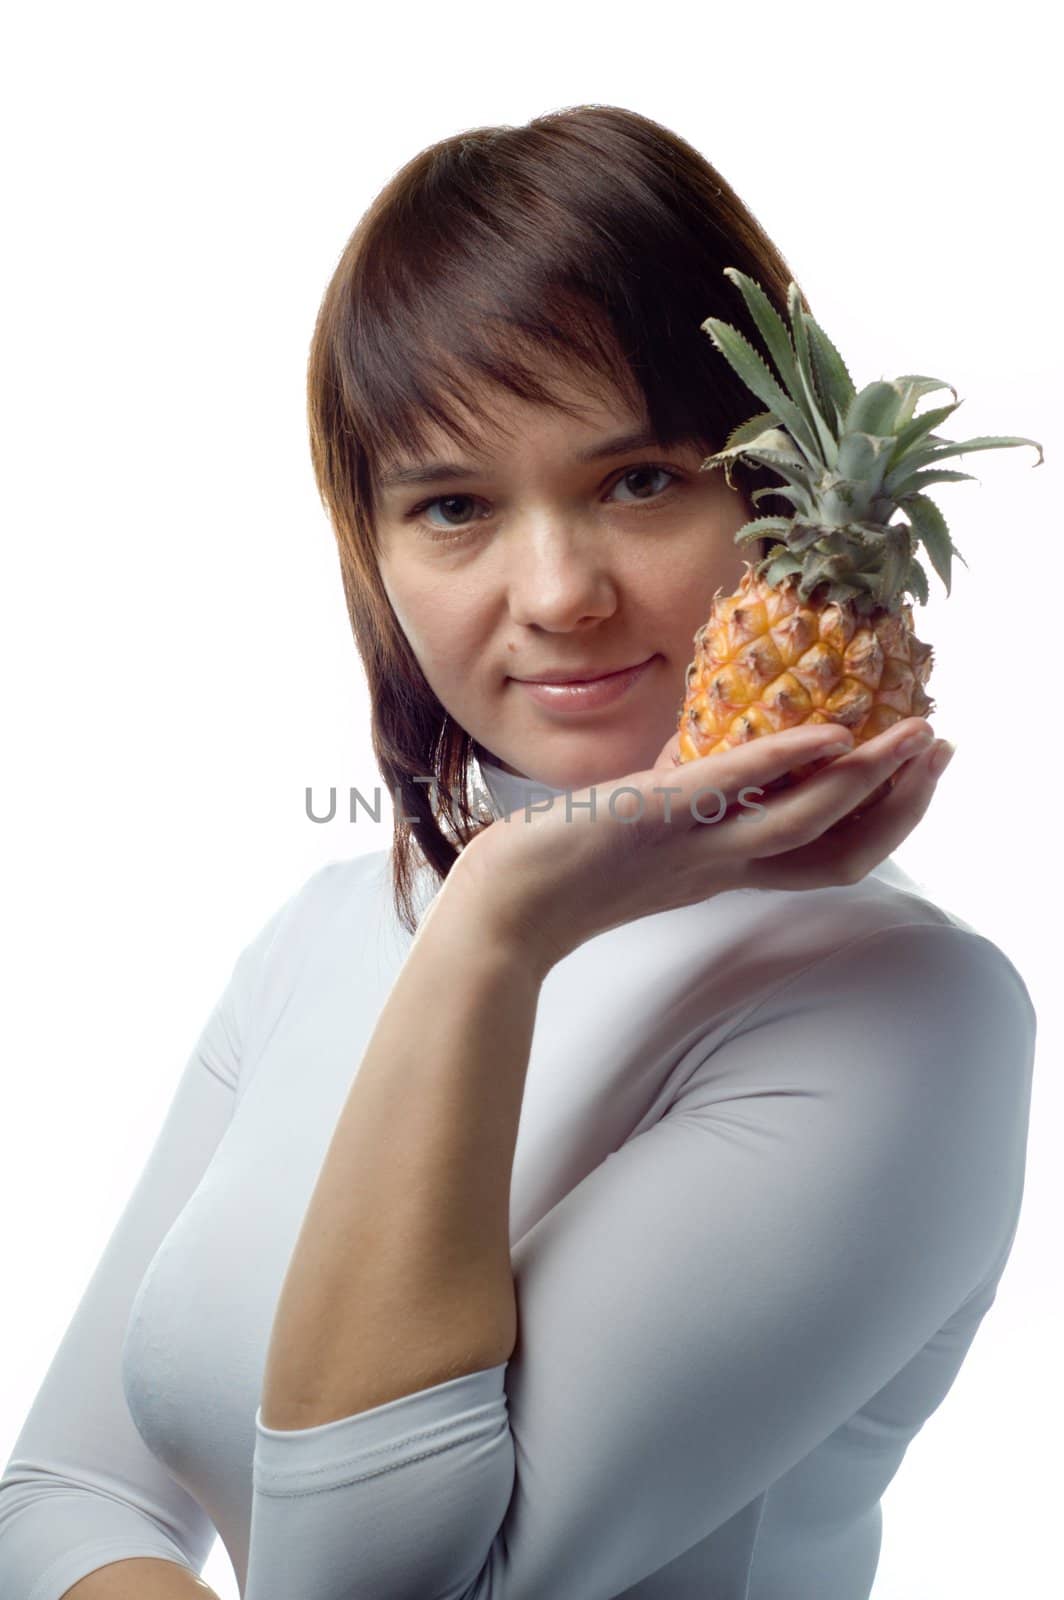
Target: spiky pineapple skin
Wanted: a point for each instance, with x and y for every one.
(765, 661)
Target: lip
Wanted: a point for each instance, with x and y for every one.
(587, 694)
(578, 677)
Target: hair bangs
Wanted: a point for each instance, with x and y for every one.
(396, 397)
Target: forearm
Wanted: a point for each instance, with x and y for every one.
(400, 1278)
(140, 1579)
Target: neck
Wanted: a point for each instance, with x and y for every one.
(512, 791)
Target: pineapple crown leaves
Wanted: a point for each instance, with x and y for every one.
(848, 458)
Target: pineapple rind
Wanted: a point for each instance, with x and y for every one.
(768, 659)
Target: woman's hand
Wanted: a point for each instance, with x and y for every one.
(555, 879)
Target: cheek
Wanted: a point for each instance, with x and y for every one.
(685, 590)
(670, 595)
(443, 632)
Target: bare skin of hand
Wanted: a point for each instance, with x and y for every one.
(553, 880)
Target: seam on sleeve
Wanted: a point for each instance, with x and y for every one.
(103, 1553)
(344, 1475)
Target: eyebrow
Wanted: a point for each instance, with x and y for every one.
(445, 471)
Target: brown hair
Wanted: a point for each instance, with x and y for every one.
(591, 236)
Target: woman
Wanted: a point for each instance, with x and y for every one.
(614, 1225)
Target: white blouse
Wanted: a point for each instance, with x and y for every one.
(768, 1173)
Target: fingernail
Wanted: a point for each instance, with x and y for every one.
(914, 744)
(940, 757)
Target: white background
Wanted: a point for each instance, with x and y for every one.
(178, 663)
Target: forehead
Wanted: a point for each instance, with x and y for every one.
(497, 418)
(493, 415)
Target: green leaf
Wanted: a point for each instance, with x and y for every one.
(921, 480)
(869, 535)
(787, 460)
(750, 367)
(753, 428)
(874, 410)
(914, 431)
(861, 459)
(762, 526)
(892, 571)
(828, 442)
(803, 535)
(780, 566)
(916, 581)
(842, 593)
(778, 441)
(772, 328)
(929, 525)
(836, 542)
(792, 492)
(817, 571)
(941, 452)
(917, 387)
(788, 469)
(833, 380)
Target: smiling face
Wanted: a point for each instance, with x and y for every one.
(535, 561)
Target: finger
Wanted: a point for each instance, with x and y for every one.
(799, 815)
(849, 850)
(757, 762)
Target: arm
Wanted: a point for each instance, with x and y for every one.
(708, 1305)
(400, 1277)
(141, 1580)
(81, 1491)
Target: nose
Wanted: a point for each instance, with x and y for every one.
(560, 580)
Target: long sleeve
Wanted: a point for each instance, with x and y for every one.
(836, 1182)
(81, 1488)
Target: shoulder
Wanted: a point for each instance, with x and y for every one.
(338, 888)
(940, 972)
(909, 1052)
(886, 927)
(306, 918)
(934, 1008)
(337, 882)
(273, 963)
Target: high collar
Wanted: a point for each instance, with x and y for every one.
(510, 792)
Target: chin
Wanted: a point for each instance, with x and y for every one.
(592, 768)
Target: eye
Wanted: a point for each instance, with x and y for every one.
(461, 528)
(642, 471)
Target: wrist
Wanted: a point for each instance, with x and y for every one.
(482, 895)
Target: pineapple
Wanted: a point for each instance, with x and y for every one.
(820, 629)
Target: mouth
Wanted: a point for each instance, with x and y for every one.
(579, 695)
(555, 680)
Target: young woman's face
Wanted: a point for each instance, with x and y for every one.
(534, 561)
